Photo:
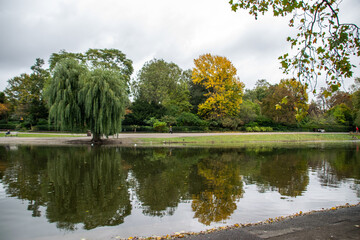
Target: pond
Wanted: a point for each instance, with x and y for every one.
(49, 192)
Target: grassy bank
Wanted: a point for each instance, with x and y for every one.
(206, 139)
(42, 135)
(251, 138)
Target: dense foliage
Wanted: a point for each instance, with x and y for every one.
(88, 97)
(224, 89)
(91, 91)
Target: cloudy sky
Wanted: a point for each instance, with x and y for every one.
(176, 31)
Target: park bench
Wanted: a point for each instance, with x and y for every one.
(12, 134)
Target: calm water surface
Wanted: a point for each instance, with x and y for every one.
(108, 192)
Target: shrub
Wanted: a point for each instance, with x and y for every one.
(256, 129)
(8, 126)
(160, 126)
(46, 127)
(231, 123)
(42, 121)
(189, 119)
(268, 129)
(170, 120)
(248, 129)
(263, 129)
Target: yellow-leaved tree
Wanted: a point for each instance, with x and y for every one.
(224, 89)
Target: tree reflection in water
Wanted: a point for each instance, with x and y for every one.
(282, 171)
(161, 177)
(219, 186)
(88, 187)
(77, 185)
(91, 186)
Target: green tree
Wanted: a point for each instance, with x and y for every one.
(89, 91)
(163, 83)
(107, 58)
(98, 58)
(55, 58)
(251, 108)
(103, 96)
(257, 94)
(342, 114)
(25, 93)
(356, 102)
(198, 96)
(110, 59)
(324, 44)
(250, 111)
(189, 119)
(224, 89)
(65, 108)
(141, 110)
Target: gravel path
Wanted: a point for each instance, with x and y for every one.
(343, 223)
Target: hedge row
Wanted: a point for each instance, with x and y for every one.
(259, 129)
(8, 126)
(127, 128)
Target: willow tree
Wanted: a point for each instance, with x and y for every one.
(103, 95)
(106, 58)
(82, 98)
(65, 109)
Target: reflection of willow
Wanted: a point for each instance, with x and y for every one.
(88, 187)
(25, 177)
(286, 172)
(161, 177)
(215, 199)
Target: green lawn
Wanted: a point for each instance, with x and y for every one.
(222, 140)
(43, 135)
(252, 138)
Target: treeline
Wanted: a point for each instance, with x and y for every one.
(86, 90)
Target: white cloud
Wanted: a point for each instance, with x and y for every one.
(176, 31)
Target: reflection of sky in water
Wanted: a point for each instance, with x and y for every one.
(16, 221)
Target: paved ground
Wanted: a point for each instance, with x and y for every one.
(333, 224)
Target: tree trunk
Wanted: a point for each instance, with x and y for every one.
(96, 138)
